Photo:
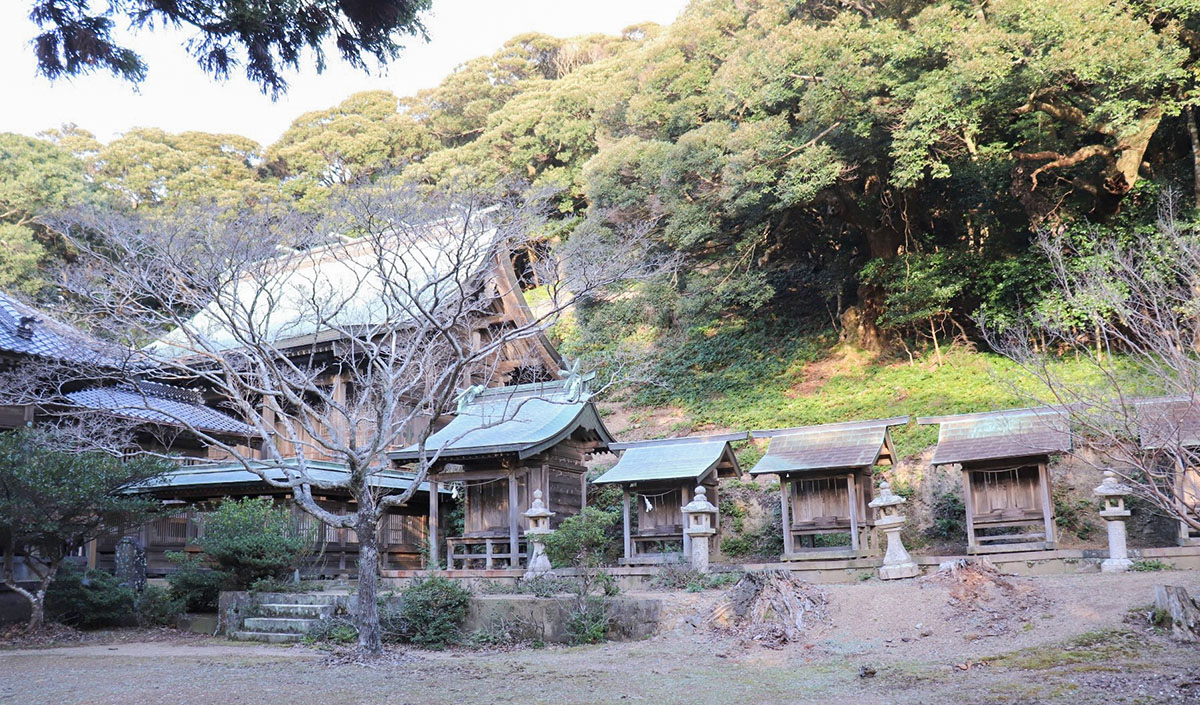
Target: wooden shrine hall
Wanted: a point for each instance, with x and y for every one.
(504, 443)
(190, 490)
(659, 477)
(1170, 426)
(1005, 458)
(826, 481)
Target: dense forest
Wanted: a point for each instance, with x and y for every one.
(870, 169)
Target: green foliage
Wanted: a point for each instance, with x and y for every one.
(1150, 565)
(1073, 513)
(433, 609)
(589, 622)
(949, 517)
(193, 582)
(77, 36)
(337, 630)
(585, 540)
(89, 600)
(155, 606)
(680, 575)
(253, 538)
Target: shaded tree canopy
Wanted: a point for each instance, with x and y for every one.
(266, 37)
(808, 156)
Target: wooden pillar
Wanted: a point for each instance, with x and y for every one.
(627, 524)
(582, 491)
(687, 540)
(434, 499)
(514, 538)
(785, 513)
(852, 495)
(1047, 504)
(92, 554)
(969, 505)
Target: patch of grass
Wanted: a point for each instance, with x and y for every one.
(774, 371)
(1151, 565)
(1100, 649)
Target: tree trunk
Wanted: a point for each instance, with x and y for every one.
(36, 599)
(1189, 117)
(1174, 604)
(370, 637)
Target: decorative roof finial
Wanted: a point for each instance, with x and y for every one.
(468, 395)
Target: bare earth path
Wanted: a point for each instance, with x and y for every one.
(1071, 642)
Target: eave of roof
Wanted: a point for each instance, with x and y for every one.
(228, 474)
(689, 458)
(540, 418)
(1000, 435)
(849, 446)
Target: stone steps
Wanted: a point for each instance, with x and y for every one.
(280, 609)
(280, 618)
(266, 637)
(279, 625)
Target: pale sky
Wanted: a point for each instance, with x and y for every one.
(177, 96)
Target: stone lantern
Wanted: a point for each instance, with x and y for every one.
(896, 561)
(539, 526)
(1115, 514)
(698, 522)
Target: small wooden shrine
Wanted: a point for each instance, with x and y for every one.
(504, 443)
(1005, 458)
(1170, 426)
(825, 478)
(657, 479)
(191, 490)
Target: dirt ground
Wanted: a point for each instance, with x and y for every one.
(1063, 639)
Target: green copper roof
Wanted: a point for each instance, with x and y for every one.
(995, 435)
(234, 473)
(671, 459)
(523, 420)
(850, 445)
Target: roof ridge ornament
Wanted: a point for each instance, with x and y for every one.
(467, 396)
(575, 382)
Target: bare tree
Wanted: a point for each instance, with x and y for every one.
(1127, 306)
(342, 336)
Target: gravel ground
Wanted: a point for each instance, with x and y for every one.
(1075, 642)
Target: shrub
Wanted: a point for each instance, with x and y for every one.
(1150, 565)
(584, 539)
(588, 623)
(949, 517)
(253, 538)
(196, 585)
(157, 607)
(432, 611)
(89, 600)
(680, 575)
(335, 630)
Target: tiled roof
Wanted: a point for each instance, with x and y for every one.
(233, 473)
(26, 331)
(342, 285)
(156, 404)
(856, 444)
(1165, 422)
(670, 459)
(523, 419)
(995, 435)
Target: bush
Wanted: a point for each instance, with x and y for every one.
(584, 539)
(949, 518)
(588, 623)
(253, 538)
(335, 630)
(432, 611)
(157, 607)
(196, 585)
(89, 600)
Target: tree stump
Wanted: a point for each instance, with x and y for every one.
(1173, 605)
